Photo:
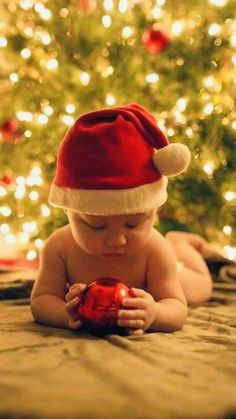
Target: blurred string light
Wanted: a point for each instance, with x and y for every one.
(3, 42)
(218, 3)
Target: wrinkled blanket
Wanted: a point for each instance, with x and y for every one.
(52, 373)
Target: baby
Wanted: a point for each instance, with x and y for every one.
(111, 178)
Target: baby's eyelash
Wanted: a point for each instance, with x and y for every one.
(130, 226)
(101, 227)
(97, 227)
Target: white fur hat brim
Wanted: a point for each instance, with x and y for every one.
(111, 202)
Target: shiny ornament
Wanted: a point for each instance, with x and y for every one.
(87, 5)
(155, 40)
(10, 131)
(99, 305)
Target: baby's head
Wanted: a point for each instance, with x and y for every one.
(115, 162)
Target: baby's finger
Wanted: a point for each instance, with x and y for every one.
(138, 292)
(71, 305)
(134, 332)
(139, 303)
(131, 314)
(74, 324)
(75, 291)
(134, 323)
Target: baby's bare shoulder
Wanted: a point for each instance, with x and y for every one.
(59, 239)
(159, 247)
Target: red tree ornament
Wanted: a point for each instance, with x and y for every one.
(99, 305)
(155, 40)
(10, 131)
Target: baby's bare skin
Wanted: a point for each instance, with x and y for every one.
(124, 247)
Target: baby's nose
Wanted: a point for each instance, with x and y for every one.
(116, 239)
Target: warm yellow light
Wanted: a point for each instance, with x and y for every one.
(20, 180)
(227, 230)
(28, 133)
(24, 116)
(152, 78)
(3, 42)
(36, 171)
(45, 14)
(233, 125)
(219, 3)
(31, 255)
(230, 195)
(23, 237)
(230, 252)
(108, 5)
(127, 31)
(209, 81)
(48, 110)
(42, 119)
(30, 226)
(208, 109)
(10, 238)
(64, 12)
(28, 31)
(52, 64)
(34, 195)
(181, 104)
(14, 77)
(4, 228)
(209, 167)
(157, 12)
(68, 120)
(45, 210)
(177, 27)
(110, 99)
(38, 243)
(3, 191)
(26, 4)
(123, 6)
(170, 132)
(189, 132)
(25, 53)
(46, 38)
(5, 211)
(70, 108)
(234, 59)
(106, 21)
(19, 192)
(214, 29)
(108, 71)
(85, 78)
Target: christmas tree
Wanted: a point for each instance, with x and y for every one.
(60, 59)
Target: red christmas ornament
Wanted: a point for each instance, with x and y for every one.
(99, 304)
(87, 5)
(155, 40)
(6, 181)
(10, 131)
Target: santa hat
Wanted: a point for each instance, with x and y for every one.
(115, 161)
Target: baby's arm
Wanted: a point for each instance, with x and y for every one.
(162, 306)
(48, 295)
(164, 286)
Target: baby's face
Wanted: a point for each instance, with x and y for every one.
(111, 237)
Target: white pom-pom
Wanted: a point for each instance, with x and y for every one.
(172, 159)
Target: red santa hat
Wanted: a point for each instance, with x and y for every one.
(115, 161)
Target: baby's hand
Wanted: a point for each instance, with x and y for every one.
(138, 313)
(72, 302)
